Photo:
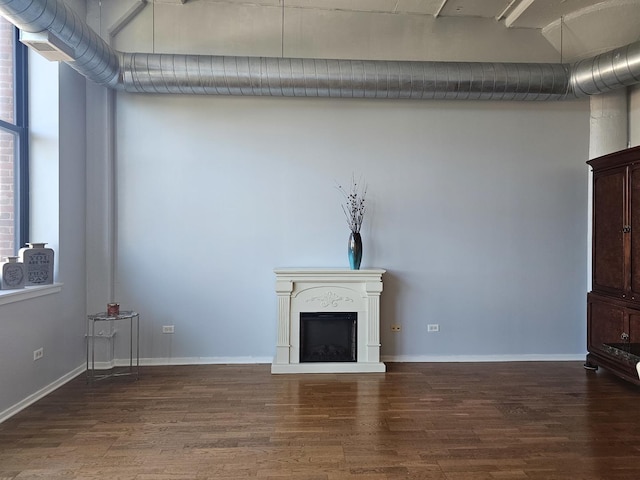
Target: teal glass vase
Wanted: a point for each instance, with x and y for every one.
(355, 251)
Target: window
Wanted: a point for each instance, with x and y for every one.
(14, 195)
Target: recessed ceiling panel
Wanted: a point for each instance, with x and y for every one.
(351, 5)
(424, 7)
(474, 8)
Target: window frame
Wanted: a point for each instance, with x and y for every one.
(21, 131)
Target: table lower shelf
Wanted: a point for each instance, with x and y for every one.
(96, 375)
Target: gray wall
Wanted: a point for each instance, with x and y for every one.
(477, 210)
(54, 322)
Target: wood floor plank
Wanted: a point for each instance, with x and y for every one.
(461, 421)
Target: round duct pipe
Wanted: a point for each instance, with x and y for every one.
(292, 77)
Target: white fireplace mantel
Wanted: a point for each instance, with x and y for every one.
(328, 290)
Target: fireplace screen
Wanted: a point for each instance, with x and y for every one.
(328, 337)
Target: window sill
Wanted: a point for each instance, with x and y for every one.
(12, 296)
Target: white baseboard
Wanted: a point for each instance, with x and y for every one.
(144, 362)
(484, 358)
(203, 361)
(385, 358)
(559, 357)
(34, 397)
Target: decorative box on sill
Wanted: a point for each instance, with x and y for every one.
(38, 263)
(12, 274)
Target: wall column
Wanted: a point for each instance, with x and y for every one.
(609, 123)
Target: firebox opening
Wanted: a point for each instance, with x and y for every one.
(328, 337)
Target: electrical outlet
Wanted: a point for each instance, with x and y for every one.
(167, 329)
(433, 328)
(38, 354)
(395, 328)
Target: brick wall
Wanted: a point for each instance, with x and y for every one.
(7, 144)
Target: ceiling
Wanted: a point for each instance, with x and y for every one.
(576, 28)
(512, 13)
(579, 28)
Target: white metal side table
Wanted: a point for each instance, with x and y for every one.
(125, 315)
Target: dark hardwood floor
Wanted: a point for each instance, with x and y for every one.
(418, 421)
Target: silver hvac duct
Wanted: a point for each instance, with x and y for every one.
(217, 75)
(297, 77)
(92, 56)
(607, 71)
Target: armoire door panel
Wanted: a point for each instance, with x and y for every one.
(609, 222)
(634, 223)
(606, 325)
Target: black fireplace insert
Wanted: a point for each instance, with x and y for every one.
(328, 337)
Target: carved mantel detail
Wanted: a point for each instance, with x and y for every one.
(330, 299)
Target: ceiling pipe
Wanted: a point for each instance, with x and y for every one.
(292, 77)
(92, 56)
(607, 71)
(295, 77)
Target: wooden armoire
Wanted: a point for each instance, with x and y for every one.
(613, 305)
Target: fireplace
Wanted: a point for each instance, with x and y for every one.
(326, 302)
(328, 337)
